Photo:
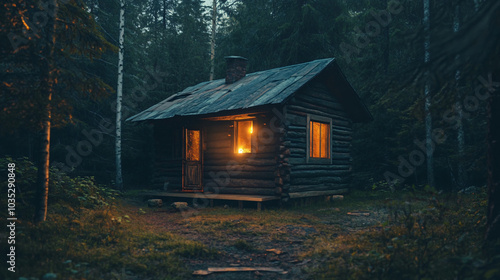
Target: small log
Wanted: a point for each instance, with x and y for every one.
(275, 251)
(235, 183)
(211, 270)
(342, 137)
(231, 168)
(318, 187)
(243, 161)
(252, 191)
(320, 167)
(295, 127)
(293, 119)
(317, 180)
(324, 100)
(341, 155)
(320, 173)
(316, 193)
(357, 214)
(294, 134)
(301, 151)
(238, 157)
(333, 112)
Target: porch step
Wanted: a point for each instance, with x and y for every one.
(212, 196)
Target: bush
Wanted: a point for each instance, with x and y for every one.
(427, 236)
(66, 194)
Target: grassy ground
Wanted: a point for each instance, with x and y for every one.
(368, 235)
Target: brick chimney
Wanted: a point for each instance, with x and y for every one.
(236, 68)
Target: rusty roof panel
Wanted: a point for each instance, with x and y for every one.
(272, 86)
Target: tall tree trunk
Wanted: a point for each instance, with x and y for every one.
(119, 93)
(212, 39)
(164, 14)
(386, 53)
(493, 139)
(428, 98)
(47, 88)
(461, 172)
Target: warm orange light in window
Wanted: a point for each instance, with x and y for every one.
(243, 137)
(319, 140)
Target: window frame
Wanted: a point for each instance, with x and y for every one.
(235, 137)
(320, 119)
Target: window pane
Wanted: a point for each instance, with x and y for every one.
(325, 135)
(316, 139)
(244, 130)
(193, 145)
(319, 140)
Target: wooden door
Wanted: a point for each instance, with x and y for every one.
(192, 161)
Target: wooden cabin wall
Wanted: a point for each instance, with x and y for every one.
(167, 168)
(227, 172)
(300, 176)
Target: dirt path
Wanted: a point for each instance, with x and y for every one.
(247, 238)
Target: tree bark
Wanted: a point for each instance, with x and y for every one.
(461, 172)
(47, 89)
(428, 98)
(119, 93)
(212, 39)
(493, 215)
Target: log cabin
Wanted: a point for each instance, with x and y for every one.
(270, 135)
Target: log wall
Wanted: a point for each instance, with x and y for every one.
(227, 172)
(277, 164)
(299, 175)
(167, 168)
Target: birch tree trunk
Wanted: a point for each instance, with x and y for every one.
(428, 97)
(47, 88)
(119, 93)
(212, 39)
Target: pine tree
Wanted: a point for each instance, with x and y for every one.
(212, 39)
(46, 42)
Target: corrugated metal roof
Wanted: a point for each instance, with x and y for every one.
(256, 89)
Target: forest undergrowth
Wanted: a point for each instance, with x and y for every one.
(93, 232)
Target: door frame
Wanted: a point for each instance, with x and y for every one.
(185, 162)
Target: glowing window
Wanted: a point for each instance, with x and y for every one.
(319, 140)
(193, 150)
(243, 137)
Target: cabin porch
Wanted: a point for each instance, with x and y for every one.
(259, 199)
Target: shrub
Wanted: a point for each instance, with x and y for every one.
(427, 236)
(65, 193)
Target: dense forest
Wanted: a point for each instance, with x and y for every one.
(425, 69)
(379, 44)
